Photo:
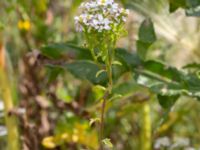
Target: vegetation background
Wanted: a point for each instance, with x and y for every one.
(60, 110)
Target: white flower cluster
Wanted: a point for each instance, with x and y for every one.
(100, 15)
(162, 142)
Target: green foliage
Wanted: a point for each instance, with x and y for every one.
(193, 11)
(108, 143)
(86, 70)
(146, 38)
(191, 6)
(129, 60)
(146, 32)
(175, 4)
(167, 101)
(65, 51)
(162, 79)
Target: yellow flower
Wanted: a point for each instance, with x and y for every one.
(24, 25)
(49, 142)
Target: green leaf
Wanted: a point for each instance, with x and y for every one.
(126, 88)
(63, 94)
(147, 32)
(175, 4)
(192, 7)
(86, 70)
(142, 48)
(52, 73)
(192, 3)
(163, 70)
(166, 89)
(193, 11)
(167, 101)
(159, 77)
(192, 65)
(147, 37)
(128, 59)
(192, 84)
(65, 50)
(108, 143)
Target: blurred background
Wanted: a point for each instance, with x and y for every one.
(52, 107)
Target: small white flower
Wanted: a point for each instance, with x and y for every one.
(99, 2)
(84, 18)
(107, 27)
(76, 18)
(115, 6)
(124, 18)
(162, 142)
(95, 22)
(100, 29)
(79, 28)
(100, 17)
(117, 14)
(93, 5)
(105, 2)
(106, 21)
(109, 2)
(121, 10)
(96, 27)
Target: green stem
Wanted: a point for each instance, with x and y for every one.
(108, 91)
(93, 55)
(109, 68)
(11, 122)
(146, 127)
(102, 123)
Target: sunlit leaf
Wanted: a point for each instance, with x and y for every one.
(62, 94)
(108, 143)
(93, 120)
(99, 72)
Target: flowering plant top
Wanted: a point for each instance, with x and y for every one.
(100, 15)
(102, 24)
